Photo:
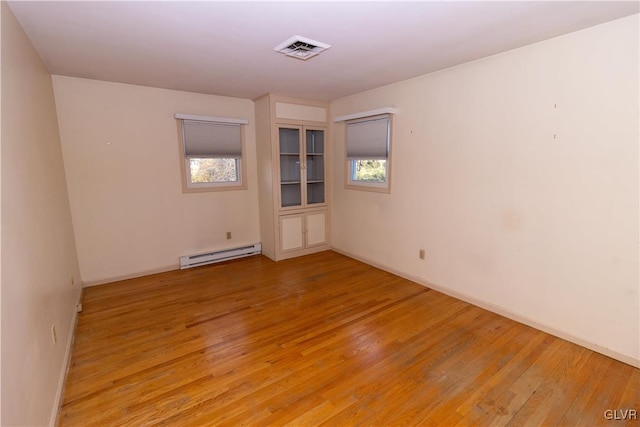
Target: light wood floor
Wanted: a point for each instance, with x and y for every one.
(323, 340)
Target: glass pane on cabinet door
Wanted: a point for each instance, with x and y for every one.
(289, 141)
(290, 195)
(315, 193)
(289, 168)
(315, 166)
(290, 185)
(315, 141)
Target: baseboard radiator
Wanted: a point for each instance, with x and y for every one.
(218, 256)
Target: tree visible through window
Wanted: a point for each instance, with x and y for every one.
(205, 170)
(369, 170)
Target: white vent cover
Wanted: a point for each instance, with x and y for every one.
(301, 47)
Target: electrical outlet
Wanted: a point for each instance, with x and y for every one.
(421, 254)
(228, 235)
(54, 338)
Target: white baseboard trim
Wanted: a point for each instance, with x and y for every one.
(57, 404)
(502, 311)
(132, 276)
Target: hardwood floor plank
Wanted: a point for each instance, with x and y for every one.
(321, 340)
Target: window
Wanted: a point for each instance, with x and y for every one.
(368, 148)
(212, 154)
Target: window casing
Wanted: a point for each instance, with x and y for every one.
(212, 155)
(368, 147)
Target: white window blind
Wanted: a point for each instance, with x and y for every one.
(368, 139)
(211, 139)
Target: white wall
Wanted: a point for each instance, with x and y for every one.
(38, 252)
(121, 155)
(545, 228)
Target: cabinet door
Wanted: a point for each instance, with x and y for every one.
(316, 228)
(314, 151)
(291, 232)
(289, 145)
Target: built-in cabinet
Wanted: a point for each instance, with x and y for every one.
(292, 142)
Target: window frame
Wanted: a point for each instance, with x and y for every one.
(189, 186)
(380, 187)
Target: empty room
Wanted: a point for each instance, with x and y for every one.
(320, 213)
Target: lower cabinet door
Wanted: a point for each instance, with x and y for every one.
(291, 232)
(316, 228)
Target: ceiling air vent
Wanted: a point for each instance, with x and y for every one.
(301, 47)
